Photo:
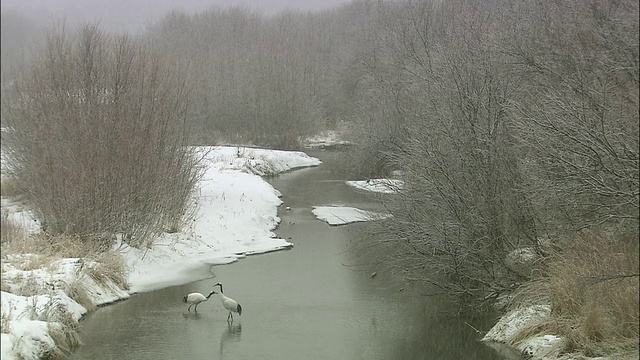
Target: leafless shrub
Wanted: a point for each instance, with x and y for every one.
(461, 211)
(99, 142)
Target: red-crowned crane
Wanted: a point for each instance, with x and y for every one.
(229, 304)
(195, 299)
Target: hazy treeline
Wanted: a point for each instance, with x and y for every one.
(266, 80)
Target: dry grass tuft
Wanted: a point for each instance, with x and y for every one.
(534, 292)
(4, 324)
(530, 331)
(64, 331)
(30, 286)
(594, 292)
(16, 240)
(79, 294)
(44, 249)
(41, 251)
(106, 265)
(110, 265)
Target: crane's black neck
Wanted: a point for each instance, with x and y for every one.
(219, 284)
(211, 293)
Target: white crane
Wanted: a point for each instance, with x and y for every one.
(195, 299)
(229, 304)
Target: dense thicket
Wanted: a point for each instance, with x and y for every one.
(511, 122)
(446, 91)
(97, 138)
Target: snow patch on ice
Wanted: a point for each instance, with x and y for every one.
(325, 139)
(262, 162)
(341, 215)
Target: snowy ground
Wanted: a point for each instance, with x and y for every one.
(236, 215)
(326, 139)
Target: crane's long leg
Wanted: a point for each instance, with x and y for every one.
(196, 308)
(189, 308)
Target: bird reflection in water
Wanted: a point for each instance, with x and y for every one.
(191, 316)
(230, 335)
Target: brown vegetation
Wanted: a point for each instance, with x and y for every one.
(29, 252)
(40, 251)
(595, 287)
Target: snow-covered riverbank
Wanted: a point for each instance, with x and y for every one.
(237, 212)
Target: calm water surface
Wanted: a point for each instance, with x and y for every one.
(304, 303)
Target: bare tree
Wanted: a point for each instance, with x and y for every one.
(461, 211)
(578, 119)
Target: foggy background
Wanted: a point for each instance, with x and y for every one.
(134, 15)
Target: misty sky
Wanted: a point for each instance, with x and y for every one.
(132, 15)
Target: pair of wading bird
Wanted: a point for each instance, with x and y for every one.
(228, 303)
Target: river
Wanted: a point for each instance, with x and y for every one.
(304, 303)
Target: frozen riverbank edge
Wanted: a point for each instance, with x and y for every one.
(237, 212)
